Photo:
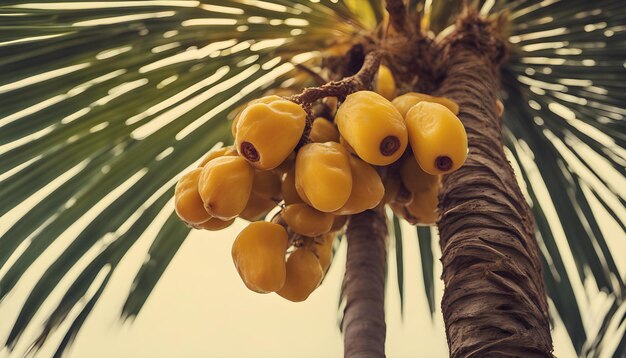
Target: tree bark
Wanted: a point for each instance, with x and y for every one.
(364, 326)
(494, 303)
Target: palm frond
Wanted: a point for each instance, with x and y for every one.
(425, 242)
(397, 233)
(563, 96)
(106, 103)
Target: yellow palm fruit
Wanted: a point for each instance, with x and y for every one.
(499, 108)
(259, 256)
(415, 179)
(266, 185)
(268, 132)
(323, 130)
(286, 165)
(187, 200)
(304, 274)
(346, 145)
(339, 222)
(331, 103)
(423, 209)
(339, 49)
(406, 101)
(367, 188)
(373, 127)
(403, 196)
(288, 188)
(225, 185)
(323, 175)
(385, 84)
(214, 224)
(392, 184)
(325, 250)
(437, 137)
(305, 220)
(266, 100)
(257, 208)
(215, 153)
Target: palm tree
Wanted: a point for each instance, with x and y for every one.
(104, 104)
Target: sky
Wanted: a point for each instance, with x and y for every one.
(201, 308)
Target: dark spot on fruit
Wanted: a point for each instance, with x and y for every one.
(389, 145)
(249, 152)
(443, 163)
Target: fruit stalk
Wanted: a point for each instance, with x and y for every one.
(364, 326)
(494, 302)
(359, 81)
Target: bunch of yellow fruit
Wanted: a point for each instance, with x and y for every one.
(320, 180)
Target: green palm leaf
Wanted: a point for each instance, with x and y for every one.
(111, 102)
(562, 94)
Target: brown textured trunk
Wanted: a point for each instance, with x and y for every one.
(494, 303)
(364, 326)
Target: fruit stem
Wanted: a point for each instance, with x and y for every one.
(341, 89)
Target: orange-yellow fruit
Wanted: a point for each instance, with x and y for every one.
(304, 274)
(331, 103)
(373, 127)
(367, 188)
(305, 220)
(288, 188)
(257, 208)
(415, 179)
(437, 137)
(392, 184)
(347, 145)
(423, 209)
(323, 130)
(323, 175)
(325, 251)
(403, 196)
(286, 165)
(187, 201)
(265, 99)
(214, 224)
(385, 84)
(266, 185)
(339, 222)
(268, 132)
(339, 49)
(215, 153)
(406, 101)
(225, 185)
(259, 256)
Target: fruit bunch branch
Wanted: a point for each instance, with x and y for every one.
(341, 89)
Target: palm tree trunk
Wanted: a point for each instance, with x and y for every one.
(494, 303)
(364, 326)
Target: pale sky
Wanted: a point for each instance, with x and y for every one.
(200, 308)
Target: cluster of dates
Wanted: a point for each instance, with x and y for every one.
(372, 151)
